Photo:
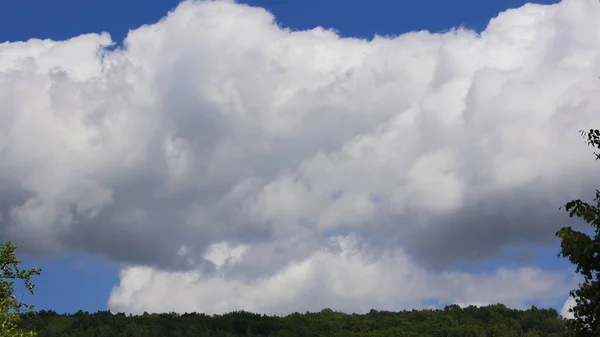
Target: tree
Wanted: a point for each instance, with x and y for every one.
(10, 306)
(494, 320)
(584, 252)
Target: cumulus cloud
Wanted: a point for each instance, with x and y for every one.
(216, 126)
(343, 275)
(569, 303)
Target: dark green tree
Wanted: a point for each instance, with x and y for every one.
(453, 321)
(583, 251)
(10, 306)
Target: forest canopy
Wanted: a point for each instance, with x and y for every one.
(492, 320)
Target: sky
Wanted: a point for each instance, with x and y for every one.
(281, 156)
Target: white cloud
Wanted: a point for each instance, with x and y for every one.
(345, 275)
(569, 303)
(216, 126)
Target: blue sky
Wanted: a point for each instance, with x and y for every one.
(77, 282)
(62, 19)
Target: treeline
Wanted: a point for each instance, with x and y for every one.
(452, 321)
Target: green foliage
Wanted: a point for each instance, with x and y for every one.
(10, 306)
(453, 321)
(584, 252)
